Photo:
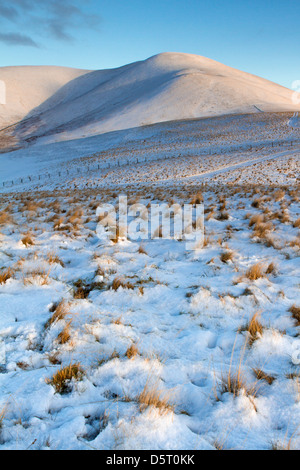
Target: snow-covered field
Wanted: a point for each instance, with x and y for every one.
(166, 348)
(157, 352)
(220, 149)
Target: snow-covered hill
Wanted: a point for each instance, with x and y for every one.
(66, 103)
(28, 87)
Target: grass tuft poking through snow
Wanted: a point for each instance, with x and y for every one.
(295, 311)
(60, 311)
(5, 275)
(61, 380)
(254, 328)
(153, 396)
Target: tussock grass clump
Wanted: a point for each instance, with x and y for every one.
(75, 219)
(58, 222)
(279, 195)
(54, 259)
(257, 203)
(197, 199)
(39, 275)
(81, 292)
(152, 396)
(295, 243)
(256, 219)
(282, 446)
(226, 256)
(261, 229)
(5, 275)
(142, 250)
(261, 375)
(5, 218)
(82, 289)
(31, 206)
(296, 224)
(223, 216)
(2, 416)
(295, 311)
(61, 380)
(120, 233)
(254, 328)
(60, 311)
(255, 272)
(158, 233)
(27, 241)
(271, 269)
(132, 351)
(119, 282)
(236, 383)
(233, 384)
(65, 335)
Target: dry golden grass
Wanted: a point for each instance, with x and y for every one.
(57, 222)
(227, 256)
(36, 275)
(261, 375)
(62, 378)
(142, 250)
(278, 195)
(65, 335)
(295, 243)
(296, 224)
(254, 328)
(60, 311)
(54, 259)
(5, 275)
(197, 199)
(235, 384)
(31, 206)
(23, 365)
(255, 272)
(120, 233)
(2, 416)
(260, 230)
(5, 218)
(81, 292)
(271, 269)
(283, 446)
(295, 311)
(158, 233)
(27, 241)
(132, 351)
(257, 203)
(256, 219)
(223, 216)
(119, 282)
(75, 219)
(152, 396)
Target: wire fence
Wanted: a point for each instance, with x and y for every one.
(118, 163)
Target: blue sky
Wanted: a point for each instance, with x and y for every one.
(257, 36)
